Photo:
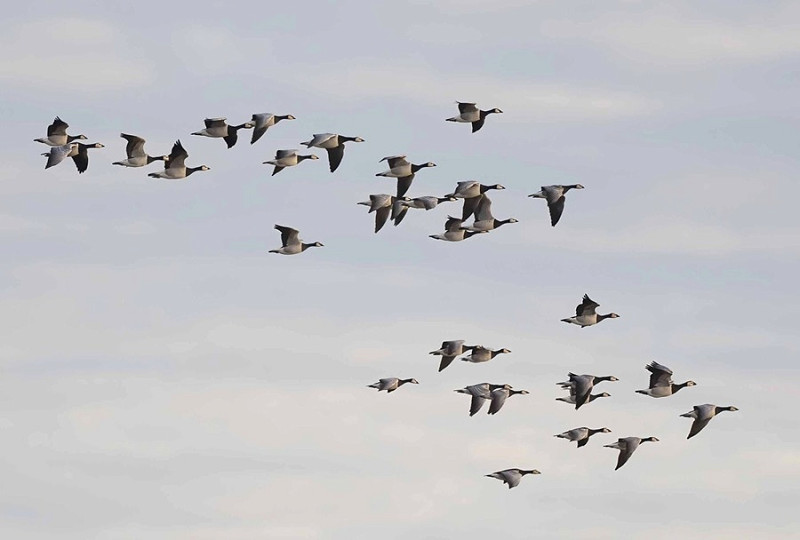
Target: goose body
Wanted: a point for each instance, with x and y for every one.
(287, 158)
(580, 386)
(626, 447)
(137, 157)
(480, 354)
(512, 477)
(390, 384)
(403, 170)
(449, 350)
(454, 232)
(383, 205)
(218, 128)
(500, 395)
(291, 242)
(469, 113)
(702, 415)
(422, 203)
(263, 121)
(484, 220)
(57, 134)
(334, 144)
(57, 154)
(661, 384)
(472, 188)
(554, 195)
(80, 155)
(581, 435)
(175, 166)
(585, 314)
(480, 394)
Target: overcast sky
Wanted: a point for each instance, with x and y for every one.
(162, 376)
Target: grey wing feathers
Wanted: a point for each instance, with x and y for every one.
(466, 107)
(335, 156)
(556, 209)
(697, 426)
(587, 307)
(659, 375)
(135, 146)
(483, 211)
(288, 235)
(177, 157)
(469, 207)
(214, 122)
(58, 127)
(280, 154)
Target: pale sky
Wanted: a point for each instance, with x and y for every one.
(162, 376)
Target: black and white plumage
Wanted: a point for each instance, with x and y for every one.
(263, 121)
(512, 477)
(390, 384)
(175, 166)
(626, 447)
(585, 314)
(422, 203)
(218, 128)
(449, 350)
(403, 170)
(580, 386)
(334, 144)
(137, 157)
(555, 197)
(500, 395)
(581, 435)
(480, 393)
(469, 113)
(291, 242)
(661, 384)
(454, 231)
(287, 158)
(471, 191)
(702, 415)
(57, 154)
(484, 220)
(80, 155)
(383, 205)
(57, 134)
(480, 354)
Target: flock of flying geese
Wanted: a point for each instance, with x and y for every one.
(475, 204)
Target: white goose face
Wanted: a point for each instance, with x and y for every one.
(512, 220)
(579, 186)
(358, 139)
(605, 430)
(414, 381)
(290, 117)
(205, 168)
(429, 164)
(496, 110)
(313, 157)
(691, 383)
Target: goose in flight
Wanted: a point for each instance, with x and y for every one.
(57, 154)
(137, 157)
(512, 476)
(661, 384)
(500, 395)
(175, 166)
(581, 435)
(702, 415)
(292, 244)
(287, 158)
(480, 394)
(218, 128)
(484, 220)
(390, 384)
(449, 350)
(454, 231)
(264, 121)
(626, 447)
(403, 170)
(383, 205)
(81, 155)
(57, 134)
(585, 314)
(469, 113)
(555, 197)
(580, 386)
(334, 144)
(480, 354)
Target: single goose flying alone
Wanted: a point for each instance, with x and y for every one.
(581, 435)
(287, 158)
(218, 128)
(264, 121)
(512, 476)
(555, 197)
(390, 384)
(626, 447)
(334, 144)
(702, 415)
(661, 384)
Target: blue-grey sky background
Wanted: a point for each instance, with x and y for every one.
(162, 376)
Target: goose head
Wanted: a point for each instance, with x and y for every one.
(503, 350)
(532, 471)
(494, 111)
(650, 439)
(604, 430)
(604, 394)
(731, 408)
